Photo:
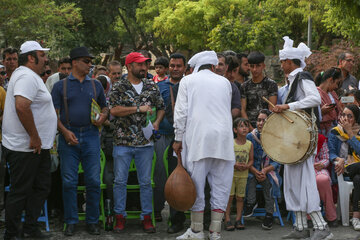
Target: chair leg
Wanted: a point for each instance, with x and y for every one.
(46, 216)
(344, 207)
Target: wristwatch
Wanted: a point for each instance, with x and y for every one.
(137, 108)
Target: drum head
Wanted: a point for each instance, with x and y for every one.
(286, 142)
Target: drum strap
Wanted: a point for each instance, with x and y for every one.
(291, 96)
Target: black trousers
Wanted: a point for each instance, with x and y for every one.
(30, 182)
(353, 171)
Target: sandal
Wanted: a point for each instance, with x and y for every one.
(229, 226)
(239, 226)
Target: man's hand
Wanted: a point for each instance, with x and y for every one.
(35, 143)
(101, 120)
(70, 138)
(145, 108)
(280, 108)
(156, 126)
(177, 147)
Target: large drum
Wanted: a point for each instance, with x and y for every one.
(286, 142)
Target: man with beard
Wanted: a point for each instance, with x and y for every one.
(131, 102)
(79, 138)
(177, 67)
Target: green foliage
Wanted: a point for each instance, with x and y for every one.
(56, 26)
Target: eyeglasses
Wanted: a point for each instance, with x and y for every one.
(3, 73)
(116, 73)
(48, 72)
(350, 60)
(349, 116)
(86, 60)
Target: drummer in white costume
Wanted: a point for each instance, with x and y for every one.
(203, 129)
(300, 190)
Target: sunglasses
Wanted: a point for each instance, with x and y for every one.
(3, 73)
(350, 60)
(48, 72)
(85, 60)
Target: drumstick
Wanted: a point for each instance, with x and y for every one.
(282, 114)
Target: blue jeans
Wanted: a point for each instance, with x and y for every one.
(143, 161)
(88, 152)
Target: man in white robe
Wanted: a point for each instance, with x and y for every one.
(300, 189)
(203, 127)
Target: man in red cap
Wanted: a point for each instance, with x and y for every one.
(132, 101)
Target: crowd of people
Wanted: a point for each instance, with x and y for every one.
(208, 109)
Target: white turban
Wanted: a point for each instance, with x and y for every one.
(289, 52)
(203, 58)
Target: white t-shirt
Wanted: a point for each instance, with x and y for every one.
(26, 83)
(138, 87)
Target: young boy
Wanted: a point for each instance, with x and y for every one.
(161, 68)
(265, 172)
(244, 155)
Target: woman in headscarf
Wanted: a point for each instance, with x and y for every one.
(327, 82)
(344, 147)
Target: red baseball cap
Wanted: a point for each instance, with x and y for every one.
(135, 57)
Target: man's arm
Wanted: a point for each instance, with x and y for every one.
(159, 117)
(243, 108)
(23, 110)
(121, 111)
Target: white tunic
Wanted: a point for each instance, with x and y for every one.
(202, 117)
(300, 190)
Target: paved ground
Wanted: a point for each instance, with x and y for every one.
(253, 231)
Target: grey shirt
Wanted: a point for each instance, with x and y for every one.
(350, 80)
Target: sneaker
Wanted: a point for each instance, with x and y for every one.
(322, 234)
(249, 210)
(119, 223)
(296, 234)
(189, 234)
(148, 227)
(214, 236)
(356, 224)
(268, 221)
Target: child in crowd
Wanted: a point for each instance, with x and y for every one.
(161, 68)
(265, 172)
(244, 155)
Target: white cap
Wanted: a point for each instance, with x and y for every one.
(29, 46)
(2, 66)
(289, 52)
(203, 58)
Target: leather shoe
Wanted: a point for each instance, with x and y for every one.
(93, 229)
(69, 229)
(175, 228)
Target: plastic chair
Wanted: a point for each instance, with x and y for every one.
(136, 188)
(81, 189)
(345, 189)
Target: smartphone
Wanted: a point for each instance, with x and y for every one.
(332, 104)
(348, 99)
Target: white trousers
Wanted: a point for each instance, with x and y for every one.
(300, 189)
(219, 173)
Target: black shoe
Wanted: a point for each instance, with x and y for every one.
(69, 229)
(249, 210)
(268, 221)
(93, 229)
(175, 228)
(333, 224)
(37, 235)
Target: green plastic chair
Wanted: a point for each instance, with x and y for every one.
(136, 188)
(82, 189)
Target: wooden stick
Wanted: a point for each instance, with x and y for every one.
(282, 114)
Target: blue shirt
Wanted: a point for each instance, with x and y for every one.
(79, 97)
(165, 126)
